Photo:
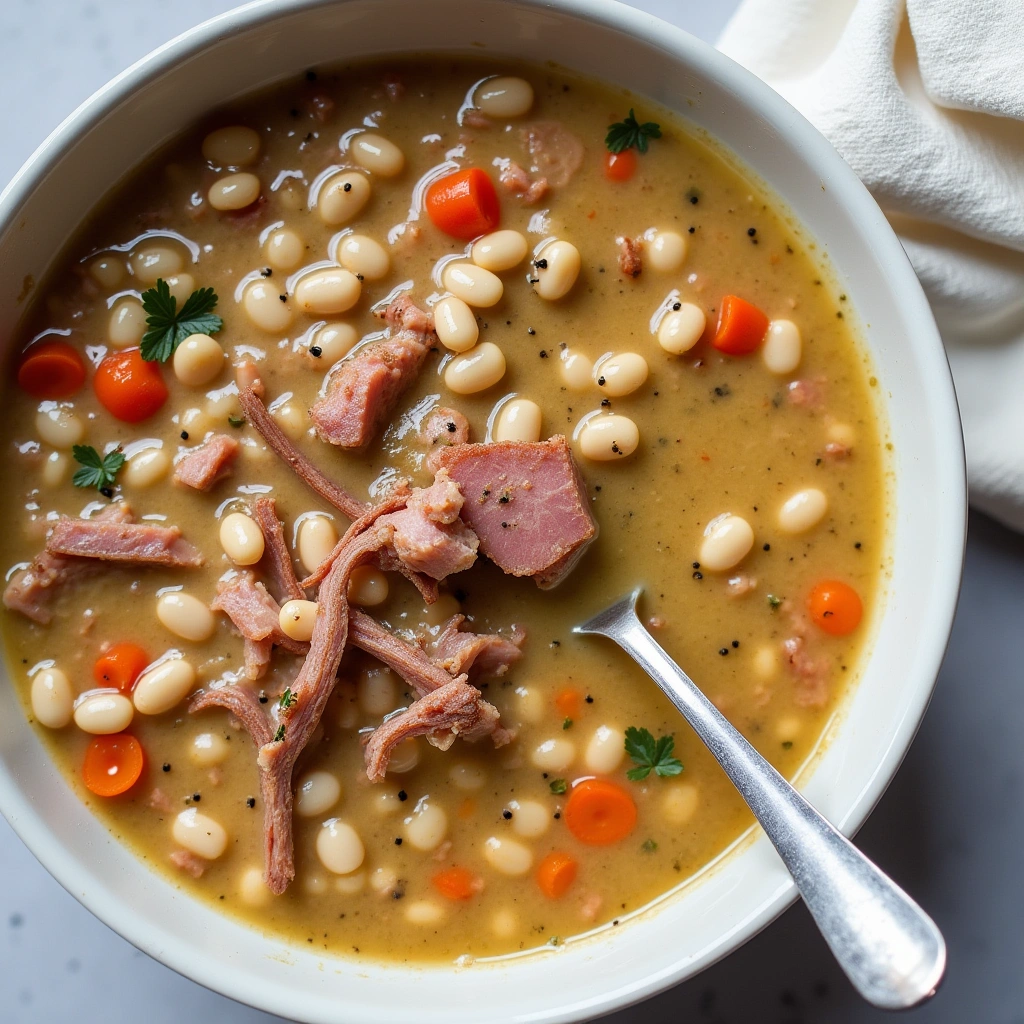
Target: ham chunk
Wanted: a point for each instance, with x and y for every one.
(458, 651)
(202, 467)
(441, 429)
(630, 262)
(132, 543)
(556, 153)
(527, 504)
(519, 183)
(362, 392)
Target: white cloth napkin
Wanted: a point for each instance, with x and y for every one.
(925, 100)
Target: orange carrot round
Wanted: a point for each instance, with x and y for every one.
(835, 607)
(129, 387)
(741, 327)
(464, 204)
(51, 369)
(112, 764)
(457, 883)
(599, 812)
(620, 166)
(555, 873)
(120, 665)
(569, 702)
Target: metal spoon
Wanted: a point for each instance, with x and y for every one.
(888, 946)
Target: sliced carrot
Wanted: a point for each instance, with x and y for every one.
(464, 204)
(120, 665)
(555, 873)
(620, 166)
(457, 883)
(130, 388)
(599, 812)
(569, 702)
(52, 369)
(741, 327)
(112, 764)
(835, 607)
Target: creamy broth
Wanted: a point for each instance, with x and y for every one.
(717, 434)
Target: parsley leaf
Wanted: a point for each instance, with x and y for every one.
(774, 602)
(170, 326)
(97, 470)
(558, 786)
(629, 134)
(648, 753)
(279, 735)
(287, 698)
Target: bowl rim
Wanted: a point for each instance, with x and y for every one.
(753, 94)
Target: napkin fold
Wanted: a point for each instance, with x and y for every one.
(925, 100)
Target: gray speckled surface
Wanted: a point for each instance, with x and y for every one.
(949, 828)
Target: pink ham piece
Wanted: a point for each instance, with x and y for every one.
(526, 502)
(556, 153)
(363, 390)
(488, 654)
(133, 543)
(277, 560)
(441, 429)
(204, 466)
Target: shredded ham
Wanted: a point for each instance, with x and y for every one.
(133, 543)
(211, 462)
(277, 560)
(488, 653)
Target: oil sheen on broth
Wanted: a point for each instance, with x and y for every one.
(718, 434)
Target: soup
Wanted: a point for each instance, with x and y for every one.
(543, 345)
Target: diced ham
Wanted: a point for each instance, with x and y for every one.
(835, 451)
(247, 375)
(159, 801)
(527, 504)
(810, 673)
(204, 466)
(276, 562)
(630, 263)
(321, 106)
(519, 183)
(441, 429)
(556, 153)
(807, 394)
(474, 118)
(188, 862)
(487, 653)
(132, 543)
(362, 391)
(737, 586)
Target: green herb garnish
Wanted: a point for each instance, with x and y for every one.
(567, 723)
(774, 602)
(648, 846)
(647, 753)
(287, 699)
(97, 470)
(236, 421)
(170, 326)
(279, 735)
(558, 786)
(630, 134)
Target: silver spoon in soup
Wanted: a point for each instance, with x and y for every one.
(890, 949)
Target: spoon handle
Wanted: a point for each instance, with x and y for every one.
(889, 948)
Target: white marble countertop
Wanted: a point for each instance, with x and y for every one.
(948, 829)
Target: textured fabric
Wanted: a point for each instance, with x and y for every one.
(925, 100)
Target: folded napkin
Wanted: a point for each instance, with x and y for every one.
(925, 100)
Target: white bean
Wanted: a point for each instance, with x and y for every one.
(424, 912)
(504, 96)
(802, 511)
(316, 794)
(264, 308)
(127, 323)
(474, 285)
(405, 756)
(384, 881)
(530, 705)
(377, 691)
(284, 249)
(681, 328)
(518, 420)
(241, 538)
(53, 703)
(180, 287)
(386, 802)
(195, 423)
(328, 291)
(438, 613)
(679, 803)
(252, 889)
(500, 250)
(297, 619)
(334, 341)
(555, 269)
(199, 834)
(476, 370)
(505, 924)
(840, 433)
(186, 616)
(364, 256)
(60, 427)
(209, 749)
(603, 438)
(377, 155)
(508, 856)
(426, 827)
(455, 324)
(621, 374)
(666, 251)
(55, 469)
(107, 271)
(782, 347)
(605, 750)
(317, 537)
(103, 713)
(554, 755)
(197, 360)
(788, 729)
(234, 192)
(163, 687)
(234, 146)
(342, 197)
(530, 818)
(727, 541)
(577, 370)
(146, 468)
(367, 586)
(766, 662)
(468, 777)
(156, 261)
(291, 418)
(339, 847)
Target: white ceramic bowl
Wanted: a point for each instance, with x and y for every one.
(266, 41)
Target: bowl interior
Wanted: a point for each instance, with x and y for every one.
(264, 42)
